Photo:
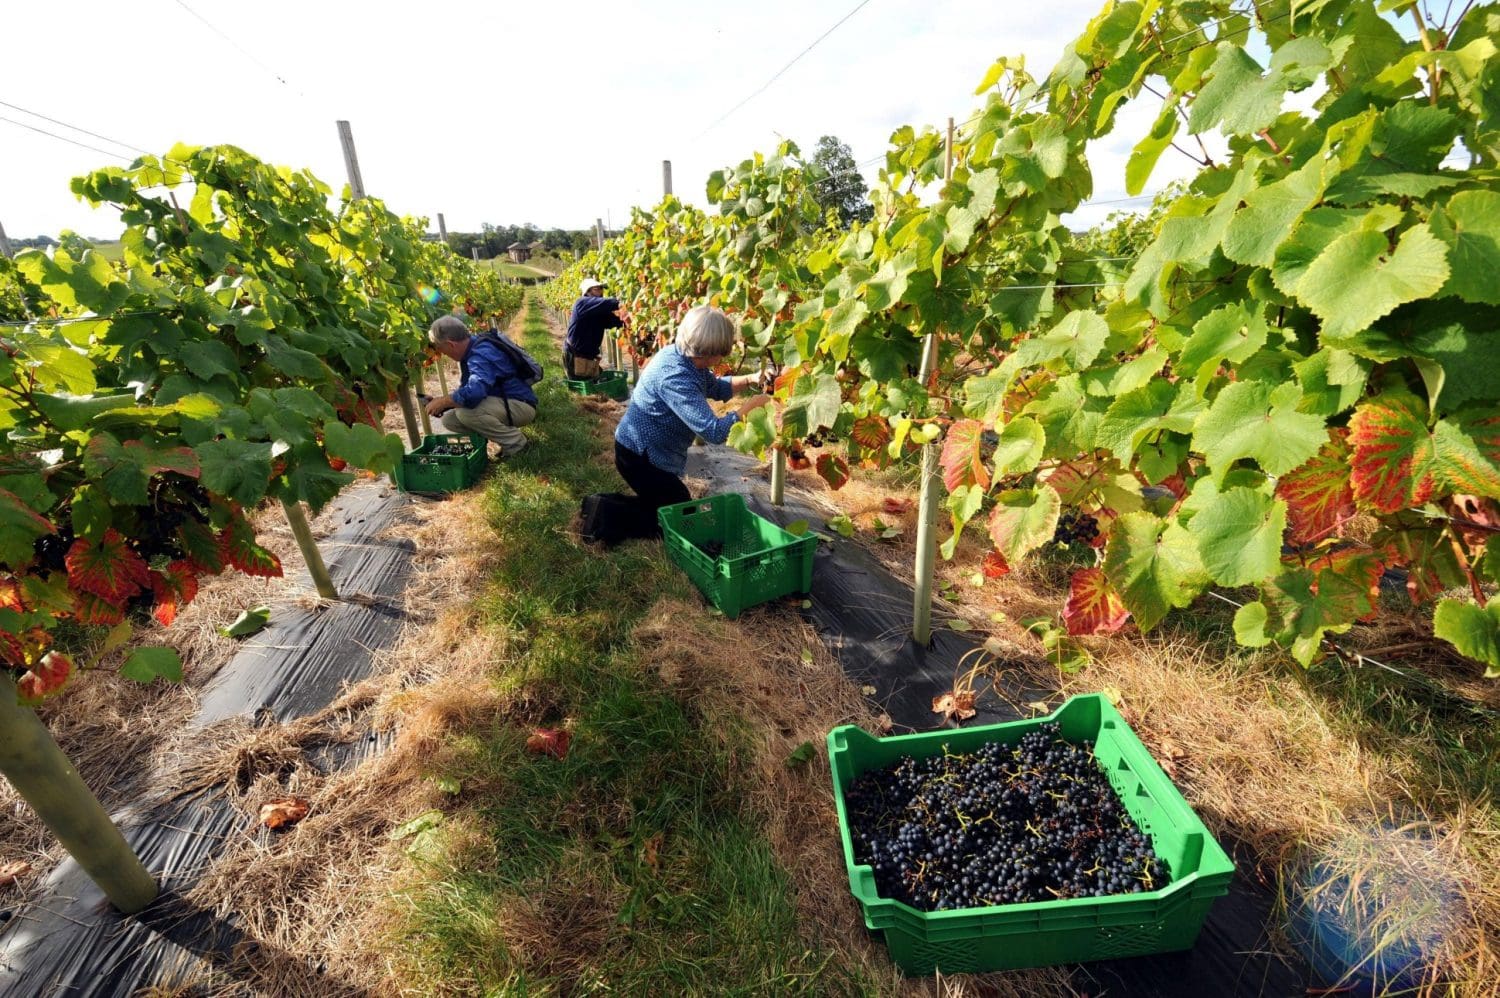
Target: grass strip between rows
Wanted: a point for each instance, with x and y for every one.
(633, 863)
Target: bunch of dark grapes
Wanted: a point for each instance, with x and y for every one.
(1075, 527)
(1006, 824)
(457, 448)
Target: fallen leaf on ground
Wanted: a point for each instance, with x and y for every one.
(895, 506)
(549, 741)
(801, 755)
(283, 811)
(884, 724)
(651, 851)
(12, 871)
(954, 704)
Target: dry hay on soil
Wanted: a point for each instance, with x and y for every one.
(313, 891)
(123, 736)
(769, 672)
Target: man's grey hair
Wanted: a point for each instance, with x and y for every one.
(448, 329)
(705, 332)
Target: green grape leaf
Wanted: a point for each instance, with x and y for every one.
(124, 470)
(1156, 407)
(1270, 212)
(1232, 332)
(1473, 630)
(754, 431)
(363, 446)
(1023, 520)
(1154, 565)
(1358, 279)
(1147, 151)
(248, 622)
(1237, 99)
(1239, 536)
(235, 469)
(1257, 420)
(1470, 226)
(1019, 448)
(71, 412)
(20, 526)
(148, 663)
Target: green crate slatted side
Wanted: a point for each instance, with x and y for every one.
(610, 383)
(421, 470)
(759, 562)
(1040, 934)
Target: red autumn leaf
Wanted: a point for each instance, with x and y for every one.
(1399, 462)
(21, 649)
(1093, 607)
(549, 741)
(871, 432)
(173, 589)
(1318, 495)
(281, 812)
(963, 456)
(994, 566)
(108, 569)
(10, 595)
(954, 704)
(787, 379)
(337, 463)
(45, 677)
(201, 546)
(798, 461)
(895, 506)
(91, 609)
(240, 551)
(834, 469)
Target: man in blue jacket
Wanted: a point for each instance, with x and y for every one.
(592, 315)
(490, 399)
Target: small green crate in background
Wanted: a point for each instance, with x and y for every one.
(421, 470)
(610, 383)
(753, 559)
(1044, 933)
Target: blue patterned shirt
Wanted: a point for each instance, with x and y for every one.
(669, 406)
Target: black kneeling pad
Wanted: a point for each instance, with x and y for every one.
(608, 517)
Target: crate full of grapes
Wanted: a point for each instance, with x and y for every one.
(445, 462)
(735, 558)
(1051, 840)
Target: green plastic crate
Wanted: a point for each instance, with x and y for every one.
(610, 383)
(759, 561)
(1043, 933)
(421, 470)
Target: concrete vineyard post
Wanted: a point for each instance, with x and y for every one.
(37, 768)
(927, 510)
(309, 548)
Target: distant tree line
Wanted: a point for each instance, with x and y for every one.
(493, 240)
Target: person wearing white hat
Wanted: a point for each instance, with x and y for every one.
(592, 314)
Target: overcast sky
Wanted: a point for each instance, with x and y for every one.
(553, 113)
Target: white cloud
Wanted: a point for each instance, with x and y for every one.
(553, 113)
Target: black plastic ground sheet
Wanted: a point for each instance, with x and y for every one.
(863, 615)
(69, 941)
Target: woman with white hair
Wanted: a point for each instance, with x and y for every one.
(669, 406)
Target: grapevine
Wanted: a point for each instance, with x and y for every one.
(242, 350)
(1294, 349)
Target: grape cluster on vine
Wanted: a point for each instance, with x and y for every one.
(1006, 824)
(1076, 527)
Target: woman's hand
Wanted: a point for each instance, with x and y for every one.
(755, 403)
(740, 382)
